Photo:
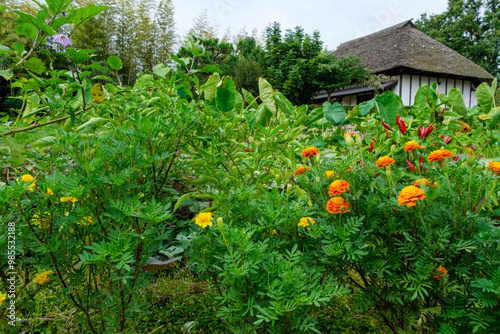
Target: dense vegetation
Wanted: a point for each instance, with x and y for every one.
(182, 203)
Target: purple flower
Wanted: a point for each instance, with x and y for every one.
(63, 39)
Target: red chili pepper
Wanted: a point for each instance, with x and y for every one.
(421, 161)
(448, 140)
(419, 131)
(387, 133)
(456, 158)
(397, 120)
(386, 126)
(375, 140)
(402, 126)
(428, 131)
(410, 165)
(370, 149)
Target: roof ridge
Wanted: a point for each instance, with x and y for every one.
(404, 24)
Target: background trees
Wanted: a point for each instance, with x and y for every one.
(470, 27)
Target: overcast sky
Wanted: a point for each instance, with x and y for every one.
(337, 21)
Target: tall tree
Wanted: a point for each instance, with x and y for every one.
(291, 62)
(202, 28)
(165, 31)
(470, 27)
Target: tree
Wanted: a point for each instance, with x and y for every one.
(248, 70)
(202, 28)
(291, 62)
(334, 73)
(470, 27)
(165, 31)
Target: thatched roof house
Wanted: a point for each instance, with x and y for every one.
(413, 58)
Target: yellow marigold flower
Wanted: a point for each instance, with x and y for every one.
(427, 183)
(204, 219)
(411, 145)
(331, 173)
(495, 166)
(41, 222)
(273, 231)
(337, 205)
(301, 170)
(305, 221)
(43, 277)
(310, 152)
(440, 273)
(2, 298)
(338, 187)
(409, 196)
(69, 199)
(384, 161)
(439, 155)
(86, 221)
(49, 192)
(26, 178)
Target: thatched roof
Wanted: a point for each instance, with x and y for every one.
(405, 47)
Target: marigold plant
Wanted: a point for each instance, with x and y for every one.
(426, 182)
(440, 273)
(69, 199)
(204, 219)
(26, 178)
(384, 161)
(305, 221)
(495, 166)
(338, 187)
(330, 173)
(411, 145)
(337, 205)
(301, 170)
(310, 152)
(439, 155)
(409, 196)
(42, 278)
(41, 220)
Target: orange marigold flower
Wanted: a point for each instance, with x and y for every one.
(427, 183)
(412, 144)
(409, 196)
(301, 170)
(338, 187)
(439, 155)
(440, 273)
(384, 161)
(337, 205)
(310, 152)
(495, 166)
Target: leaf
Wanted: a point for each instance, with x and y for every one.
(7, 74)
(267, 95)
(115, 63)
(210, 87)
(366, 107)
(319, 143)
(26, 29)
(155, 264)
(494, 120)
(263, 115)
(238, 106)
(284, 103)
(161, 70)
(249, 99)
(97, 93)
(315, 115)
(96, 67)
(211, 69)
(389, 105)
(485, 95)
(18, 47)
(59, 22)
(46, 141)
(40, 24)
(36, 65)
(335, 114)
(91, 121)
(82, 15)
(226, 95)
(456, 98)
(181, 200)
(55, 6)
(78, 56)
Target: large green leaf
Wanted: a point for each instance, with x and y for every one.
(494, 119)
(161, 70)
(249, 99)
(263, 115)
(210, 87)
(366, 107)
(485, 95)
(334, 113)
(226, 95)
(456, 101)
(40, 24)
(389, 105)
(26, 29)
(7, 74)
(267, 95)
(84, 14)
(115, 63)
(55, 6)
(284, 103)
(315, 115)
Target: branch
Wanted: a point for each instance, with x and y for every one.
(34, 126)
